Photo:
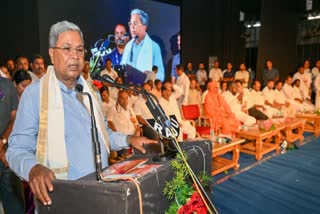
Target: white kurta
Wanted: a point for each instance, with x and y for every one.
(242, 75)
(305, 83)
(184, 83)
(215, 74)
(171, 108)
(256, 98)
(236, 108)
(281, 99)
(140, 108)
(107, 106)
(122, 119)
(113, 74)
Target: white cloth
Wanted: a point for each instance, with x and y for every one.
(216, 74)
(107, 106)
(54, 155)
(315, 71)
(305, 83)
(171, 108)
(140, 108)
(113, 74)
(236, 108)
(144, 61)
(157, 93)
(132, 100)
(293, 93)
(151, 76)
(317, 88)
(256, 98)
(184, 83)
(202, 77)
(281, 99)
(242, 75)
(113, 93)
(33, 76)
(122, 119)
(268, 94)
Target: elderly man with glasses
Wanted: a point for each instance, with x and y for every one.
(51, 136)
(141, 51)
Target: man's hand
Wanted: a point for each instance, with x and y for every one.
(137, 142)
(3, 155)
(40, 178)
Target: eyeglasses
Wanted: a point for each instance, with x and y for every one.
(134, 24)
(68, 50)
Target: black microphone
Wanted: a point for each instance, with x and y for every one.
(94, 134)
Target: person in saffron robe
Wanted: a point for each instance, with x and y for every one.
(219, 111)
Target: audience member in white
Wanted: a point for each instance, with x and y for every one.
(122, 118)
(293, 96)
(113, 91)
(194, 97)
(132, 97)
(170, 107)
(143, 114)
(269, 97)
(305, 81)
(216, 73)
(281, 100)
(223, 87)
(152, 75)
(257, 100)
(107, 102)
(243, 75)
(306, 66)
(241, 113)
(109, 70)
(317, 89)
(86, 72)
(157, 88)
(202, 76)
(307, 105)
(184, 83)
(315, 71)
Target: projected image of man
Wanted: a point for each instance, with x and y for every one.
(121, 38)
(141, 51)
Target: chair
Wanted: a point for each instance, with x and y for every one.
(192, 113)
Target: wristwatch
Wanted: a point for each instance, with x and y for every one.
(3, 140)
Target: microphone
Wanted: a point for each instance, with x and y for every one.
(94, 134)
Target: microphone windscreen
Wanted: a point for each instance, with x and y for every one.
(79, 88)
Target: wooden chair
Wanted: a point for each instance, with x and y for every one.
(192, 113)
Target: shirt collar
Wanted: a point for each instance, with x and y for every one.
(64, 88)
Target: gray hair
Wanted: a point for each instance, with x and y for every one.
(61, 27)
(143, 16)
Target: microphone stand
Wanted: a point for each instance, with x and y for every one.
(159, 115)
(94, 135)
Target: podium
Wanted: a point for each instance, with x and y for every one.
(86, 195)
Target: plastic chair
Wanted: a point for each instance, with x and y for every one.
(192, 113)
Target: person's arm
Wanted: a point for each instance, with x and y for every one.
(177, 91)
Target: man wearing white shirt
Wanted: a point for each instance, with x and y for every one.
(292, 95)
(281, 101)
(184, 83)
(315, 71)
(298, 94)
(157, 88)
(232, 98)
(109, 70)
(107, 102)
(216, 73)
(242, 75)
(170, 107)
(257, 101)
(268, 94)
(305, 81)
(143, 114)
(113, 91)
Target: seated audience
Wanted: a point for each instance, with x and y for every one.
(156, 90)
(281, 101)
(243, 75)
(308, 106)
(256, 104)
(107, 102)
(190, 72)
(305, 81)
(152, 76)
(219, 111)
(109, 70)
(86, 72)
(269, 97)
(232, 98)
(170, 107)
(194, 97)
(113, 91)
(21, 80)
(37, 66)
(223, 87)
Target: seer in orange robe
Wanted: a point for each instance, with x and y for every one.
(219, 111)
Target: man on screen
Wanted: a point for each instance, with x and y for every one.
(121, 39)
(51, 136)
(141, 51)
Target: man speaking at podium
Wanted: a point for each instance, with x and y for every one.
(141, 51)
(51, 137)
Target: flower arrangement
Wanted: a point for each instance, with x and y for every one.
(266, 125)
(185, 199)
